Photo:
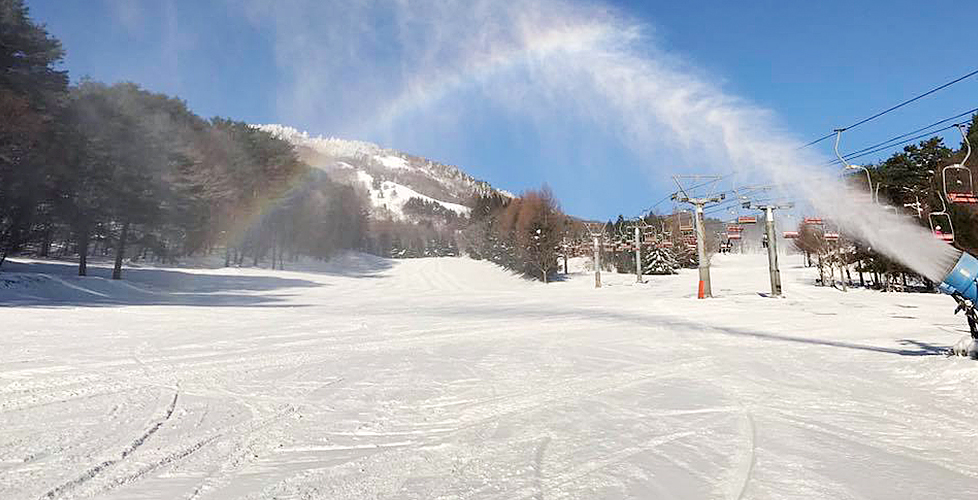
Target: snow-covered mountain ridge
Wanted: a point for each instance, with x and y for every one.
(389, 178)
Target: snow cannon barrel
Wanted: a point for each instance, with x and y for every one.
(962, 279)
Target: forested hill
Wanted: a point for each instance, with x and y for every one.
(390, 179)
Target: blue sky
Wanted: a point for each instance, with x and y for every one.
(333, 69)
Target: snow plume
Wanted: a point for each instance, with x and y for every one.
(366, 68)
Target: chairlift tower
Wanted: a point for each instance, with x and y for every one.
(597, 233)
(641, 226)
(698, 203)
(772, 242)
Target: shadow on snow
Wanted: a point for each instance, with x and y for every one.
(54, 284)
(915, 347)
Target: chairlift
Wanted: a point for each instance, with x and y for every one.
(941, 226)
(813, 221)
(735, 229)
(916, 206)
(684, 225)
(940, 222)
(859, 197)
(959, 188)
(939, 232)
(734, 236)
(831, 236)
(747, 219)
(791, 235)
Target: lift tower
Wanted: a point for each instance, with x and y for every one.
(772, 242)
(685, 195)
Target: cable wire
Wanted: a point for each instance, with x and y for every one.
(914, 138)
(893, 108)
(901, 136)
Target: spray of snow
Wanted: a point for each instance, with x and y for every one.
(586, 60)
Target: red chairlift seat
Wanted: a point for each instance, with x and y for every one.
(747, 219)
(942, 226)
(734, 236)
(734, 229)
(831, 236)
(790, 235)
(962, 197)
(813, 221)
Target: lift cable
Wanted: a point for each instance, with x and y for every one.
(853, 156)
(887, 143)
(670, 195)
(893, 108)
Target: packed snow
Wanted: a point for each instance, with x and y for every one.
(452, 378)
(392, 196)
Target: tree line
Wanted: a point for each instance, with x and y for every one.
(522, 234)
(96, 169)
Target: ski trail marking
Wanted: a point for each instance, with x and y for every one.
(752, 442)
(96, 470)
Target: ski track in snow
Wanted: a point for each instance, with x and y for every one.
(451, 378)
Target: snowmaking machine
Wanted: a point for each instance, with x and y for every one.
(961, 283)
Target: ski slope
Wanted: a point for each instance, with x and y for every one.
(450, 378)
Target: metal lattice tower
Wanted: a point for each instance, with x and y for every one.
(686, 185)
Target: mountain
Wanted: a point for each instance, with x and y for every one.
(399, 186)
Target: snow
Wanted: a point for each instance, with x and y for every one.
(392, 196)
(331, 146)
(394, 162)
(452, 378)
(967, 346)
(343, 152)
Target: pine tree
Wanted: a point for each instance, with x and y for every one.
(659, 260)
(31, 90)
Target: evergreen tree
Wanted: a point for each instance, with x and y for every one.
(31, 92)
(659, 260)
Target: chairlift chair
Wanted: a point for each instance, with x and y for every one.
(831, 236)
(791, 235)
(747, 219)
(940, 222)
(685, 226)
(939, 232)
(941, 226)
(857, 196)
(959, 188)
(813, 221)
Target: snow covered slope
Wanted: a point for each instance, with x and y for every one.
(389, 178)
(451, 378)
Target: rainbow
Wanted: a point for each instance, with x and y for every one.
(427, 89)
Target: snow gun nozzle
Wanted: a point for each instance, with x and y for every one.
(962, 281)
